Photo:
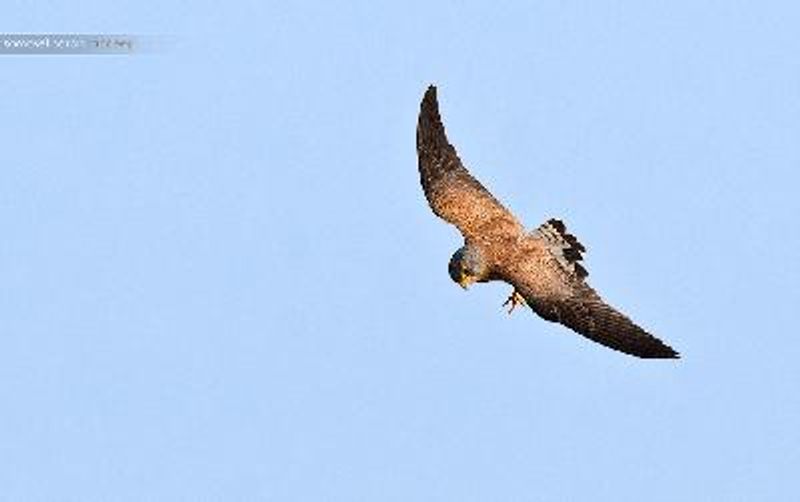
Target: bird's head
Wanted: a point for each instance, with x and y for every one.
(467, 266)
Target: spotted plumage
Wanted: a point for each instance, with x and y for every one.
(543, 266)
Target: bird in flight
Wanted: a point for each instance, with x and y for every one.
(542, 266)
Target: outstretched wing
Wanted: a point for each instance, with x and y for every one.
(453, 194)
(586, 313)
(552, 283)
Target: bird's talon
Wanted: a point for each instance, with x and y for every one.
(514, 299)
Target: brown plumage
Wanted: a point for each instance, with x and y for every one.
(542, 266)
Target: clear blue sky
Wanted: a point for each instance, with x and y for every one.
(221, 281)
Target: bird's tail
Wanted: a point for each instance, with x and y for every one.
(563, 246)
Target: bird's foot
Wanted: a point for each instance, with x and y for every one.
(514, 300)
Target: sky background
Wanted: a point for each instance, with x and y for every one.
(221, 281)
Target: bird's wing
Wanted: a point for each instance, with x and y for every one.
(453, 194)
(552, 283)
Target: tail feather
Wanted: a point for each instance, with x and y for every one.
(564, 246)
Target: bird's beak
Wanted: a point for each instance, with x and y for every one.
(464, 282)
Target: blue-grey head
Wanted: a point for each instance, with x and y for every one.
(467, 265)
